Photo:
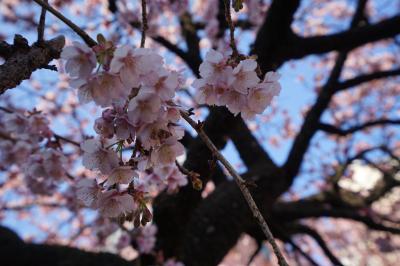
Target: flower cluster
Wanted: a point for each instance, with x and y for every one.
(28, 145)
(139, 118)
(146, 238)
(224, 82)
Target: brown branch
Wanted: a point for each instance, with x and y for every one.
(26, 59)
(343, 132)
(250, 150)
(315, 209)
(320, 241)
(366, 78)
(347, 40)
(231, 25)
(311, 121)
(14, 251)
(144, 24)
(41, 25)
(242, 185)
(85, 37)
(59, 137)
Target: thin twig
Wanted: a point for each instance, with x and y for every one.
(144, 24)
(42, 21)
(228, 17)
(58, 137)
(88, 40)
(242, 185)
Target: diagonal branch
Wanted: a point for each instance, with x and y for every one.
(366, 78)
(320, 241)
(311, 121)
(250, 150)
(346, 40)
(88, 40)
(242, 185)
(331, 129)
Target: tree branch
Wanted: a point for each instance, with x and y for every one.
(366, 78)
(345, 40)
(311, 121)
(242, 185)
(320, 241)
(85, 37)
(250, 150)
(14, 251)
(344, 132)
(25, 59)
(315, 209)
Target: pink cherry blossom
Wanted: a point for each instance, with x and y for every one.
(244, 76)
(97, 157)
(124, 240)
(54, 163)
(43, 169)
(103, 88)
(153, 134)
(124, 129)
(80, 60)
(39, 125)
(131, 64)
(121, 175)
(88, 192)
(15, 122)
(144, 108)
(167, 152)
(214, 69)
(175, 179)
(104, 128)
(146, 239)
(112, 204)
(164, 84)
(206, 93)
(233, 100)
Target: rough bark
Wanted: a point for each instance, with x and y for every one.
(22, 60)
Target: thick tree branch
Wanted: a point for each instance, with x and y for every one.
(14, 251)
(25, 59)
(242, 186)
(250, 150)
(345, 40)
(311, 121)
(275, 34)
(315, 209)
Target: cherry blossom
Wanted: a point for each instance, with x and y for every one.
(164, 84)
(146, 239)
(132, 64)
(102, 88)
(80, 60)
(244, 76)
(96, 156)
(43, 170)
(144, 108)
(88, 192)
(167, 152)
(113, 204)
(235, 85)
(121, 175)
